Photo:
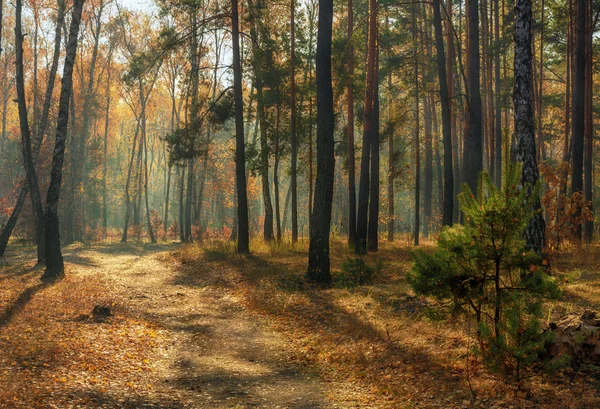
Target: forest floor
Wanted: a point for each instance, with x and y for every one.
(201, 327)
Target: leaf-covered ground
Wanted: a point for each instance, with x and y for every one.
(201, 327)
(175, 340)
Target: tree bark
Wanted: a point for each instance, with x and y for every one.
(240, 157)
(524, 121)
(54, 259)
(320, 220)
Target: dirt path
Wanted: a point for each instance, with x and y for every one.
(219, 355)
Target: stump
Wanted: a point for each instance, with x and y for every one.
(577, 335)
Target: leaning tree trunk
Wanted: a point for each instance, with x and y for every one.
(524, 121)
(448, 206)
(28, 160)
(320, 220)
(54, 260)
(240, 157)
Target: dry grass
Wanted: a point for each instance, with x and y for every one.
(389, 348)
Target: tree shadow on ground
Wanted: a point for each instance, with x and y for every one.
(19, 271)
(325, 320)
(94, 398)
(20, 303)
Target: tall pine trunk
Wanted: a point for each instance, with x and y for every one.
(448, 205)
(473, 147)
(294, 177)
(368, 131)
(240, 157)
(351, 155)
(320, 220)
(373, 228)
(579, 105)
(524, 120)
(417, 223)
(589, 126)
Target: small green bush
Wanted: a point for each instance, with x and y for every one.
(356, 272)
(485, 268)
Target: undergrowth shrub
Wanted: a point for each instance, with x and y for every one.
(484, 267)
(566, 212)
(355, 272)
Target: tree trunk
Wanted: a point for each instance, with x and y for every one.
(276, 176)
(579, 105)
(368, 133)
(105, 139)
(182, 205)
(428, 171)
(524, 122)
(189, 194)
(448, 205)
(145, 176)
(473, 148)
(497, 86)
(351, 155)
(390, 179)
(128, 184)
(28, 161)
(417, 226)
(320, 220)
(240, 157)
(54, 259)
(373, 228)
(168, 188)
(294, 180)
(589, 125)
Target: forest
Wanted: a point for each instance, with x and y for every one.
(299, 204)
